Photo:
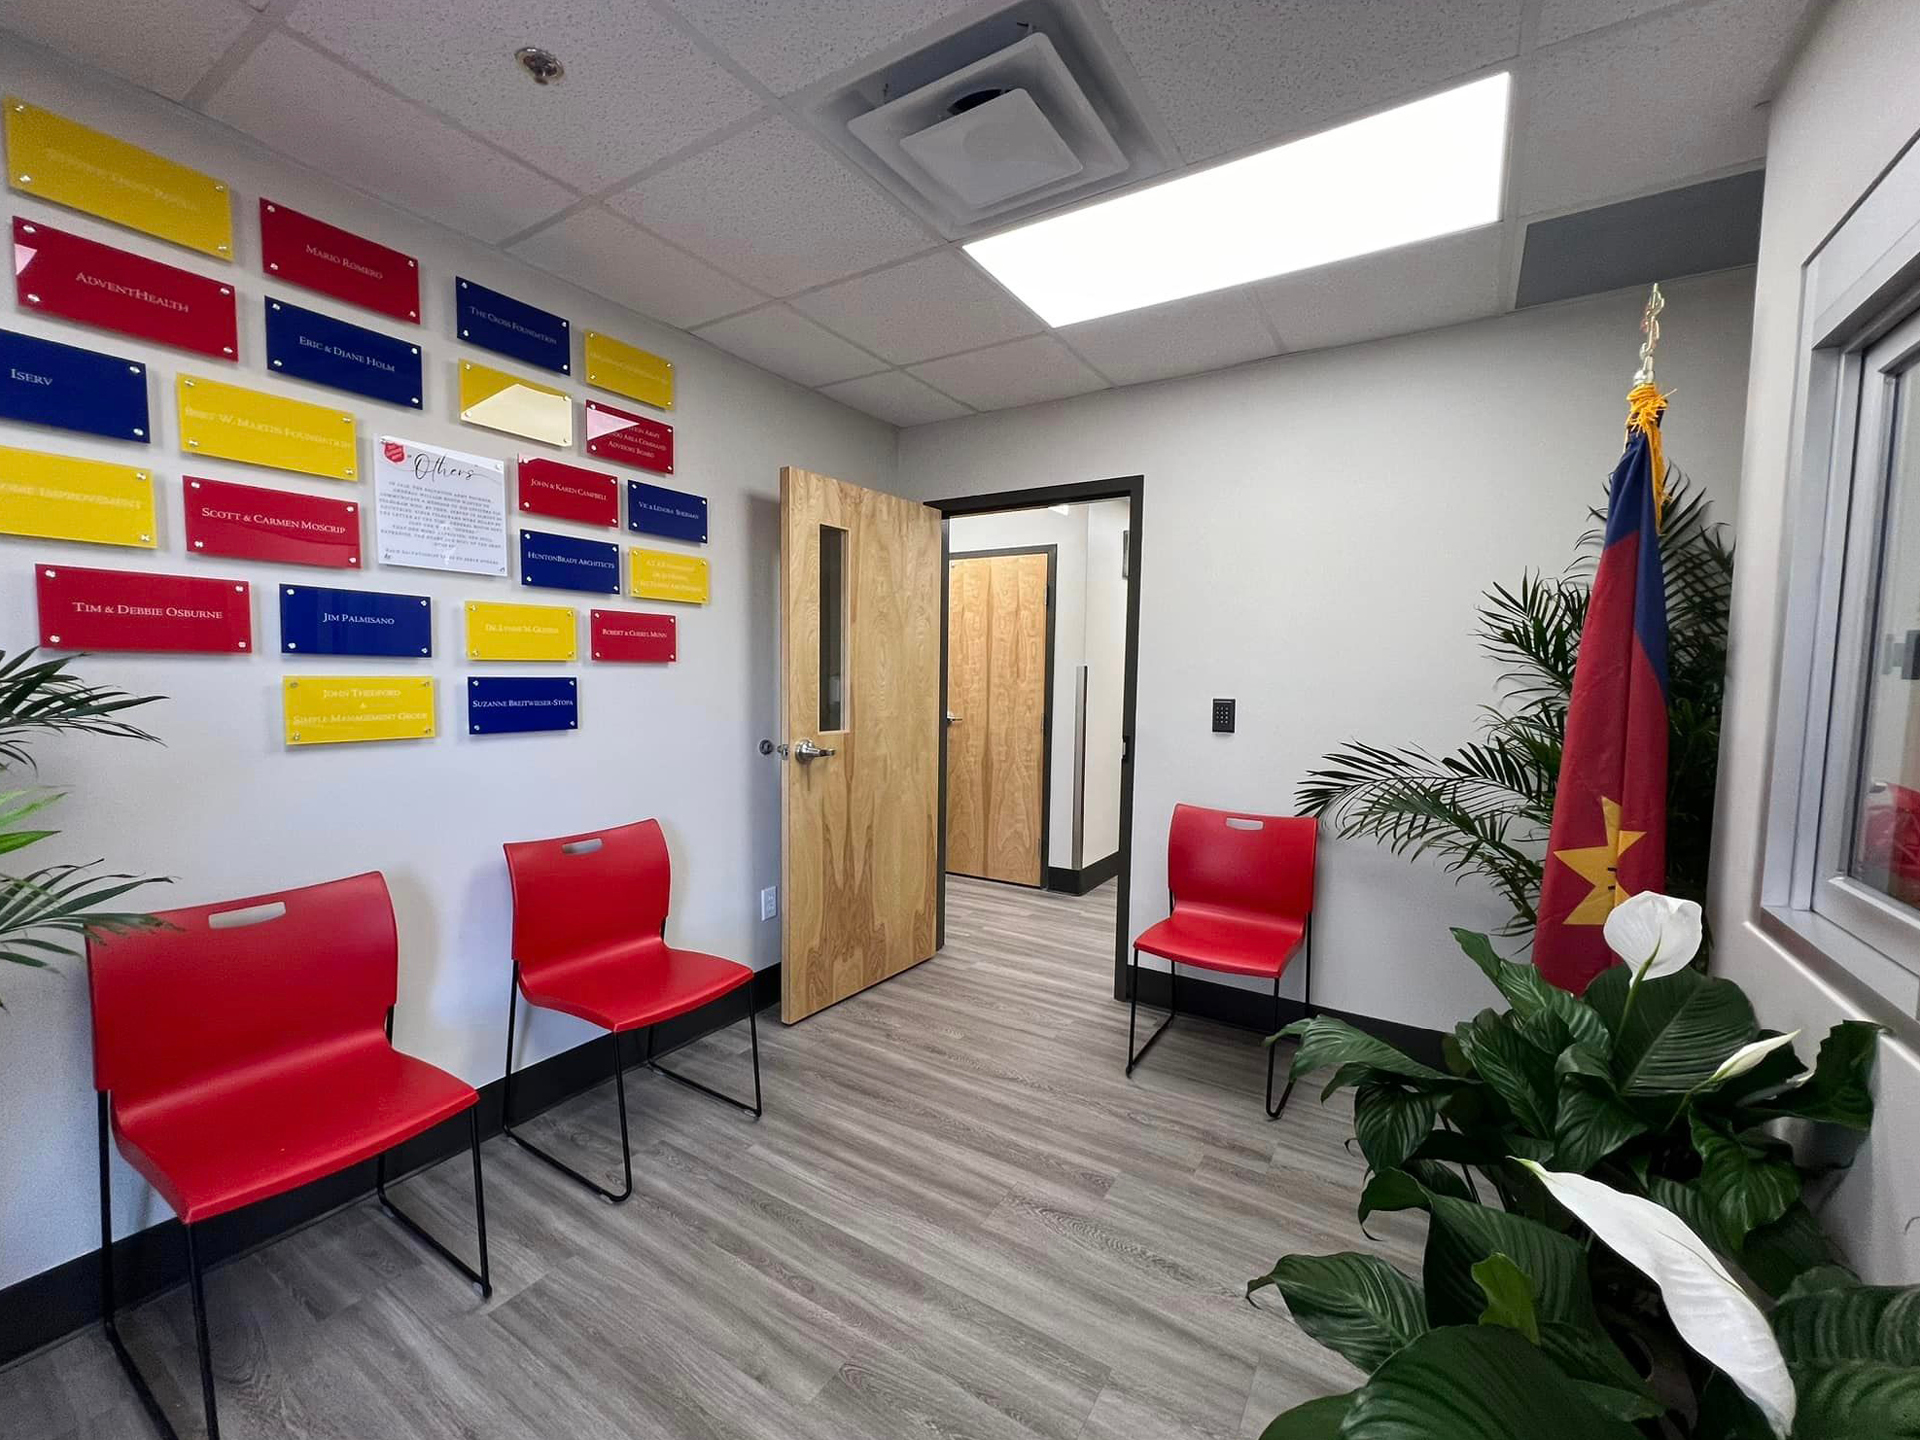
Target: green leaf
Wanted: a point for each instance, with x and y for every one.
(1821, 1277)
(1356, 1305)
(1590, 1357)
(1856, 1400)
(1749, 1183)
(1463, 1234)
(1479, 1382)
(1679, 1029)
(1592, 1121)
(1839, 1092)
(1775, 1256)
(1390, 1121)
(1861, 1322)
(1517, 1070)
(1509, 1296)
(1532, 995)
(1326, 1041)
(1391, 1190)
(1316, 1420)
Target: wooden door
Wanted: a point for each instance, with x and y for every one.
(998, 650)
(860, 677)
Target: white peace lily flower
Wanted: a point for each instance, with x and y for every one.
(1709, 1309)
(1748, 1056)
(1654, 933)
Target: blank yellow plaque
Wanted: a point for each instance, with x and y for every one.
(663, 575)
(234, 423)
(506, 402)
(58, 497)
(340, 709)
(628, 370)
(61, 160)
(497, 631)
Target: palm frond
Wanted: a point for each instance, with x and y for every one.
(38, 696)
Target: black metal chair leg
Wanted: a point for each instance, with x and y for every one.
(482, 1278)
(1273, 1110)
(619, 1090)
(753, 1030)
(198, 1287)
(1134, 1057)
(162, 1426)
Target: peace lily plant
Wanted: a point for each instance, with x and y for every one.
(1618, 1244)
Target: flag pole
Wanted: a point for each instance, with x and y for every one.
(1645, 403)
(1650, 327)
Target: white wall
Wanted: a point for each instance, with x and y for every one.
(1845, 111)
(1317, 531)
(228, 811)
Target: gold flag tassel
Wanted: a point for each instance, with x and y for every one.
(1646, 404)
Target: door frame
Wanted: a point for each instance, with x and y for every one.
(1132, 489)
(1052, 552)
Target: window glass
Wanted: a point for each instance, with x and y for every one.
(833, 628)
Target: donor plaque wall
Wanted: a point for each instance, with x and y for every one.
(434, 507)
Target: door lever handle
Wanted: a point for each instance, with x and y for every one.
(806, 750)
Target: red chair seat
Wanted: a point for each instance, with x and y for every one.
(632, 984)
(252, 1133)
(1216, 940)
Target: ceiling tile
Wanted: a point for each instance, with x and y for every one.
(1638, 107)
(603, 253)
(161, 45)
(1231, 75)
(1560, 19)
(896, 397)
(776, 339)
(294, 99)
(773, 208)
(1417, 287)
(1182, 337)
(788, 46)
(935, 305)
(590, 129)
(1023, 372)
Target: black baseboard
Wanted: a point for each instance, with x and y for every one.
(1079, 882)
(44, 1307)
(1253, 1010)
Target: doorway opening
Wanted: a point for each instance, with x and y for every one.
(1040, 621)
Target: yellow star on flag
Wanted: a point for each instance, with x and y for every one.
(1596, 864)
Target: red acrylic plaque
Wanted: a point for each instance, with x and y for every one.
(317, 256)
(78, 279)
(620, 435)
(135, 610)
(625, 635)
(568, 492)
(260, 524)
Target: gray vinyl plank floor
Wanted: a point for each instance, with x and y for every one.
(956, 1219)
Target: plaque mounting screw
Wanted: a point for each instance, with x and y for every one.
(543, 65)
(33, 299)
(53, 639)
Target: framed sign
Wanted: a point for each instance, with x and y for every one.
(439, 509)
(511, 327)
(343, 709)
(663, 575)
(498, 631)
(317, 256)
(57, 159)
(630, 635)
(568, 492)
(510, 705)
(43, 382)
(629, 439)
(560, 562)
(673, 514)
(55, 273)
(318, 620)
(500, 401)
(234, 423)
(310, 346)
(83, 609)
(59, 497)
(628, 370)
(252, 523)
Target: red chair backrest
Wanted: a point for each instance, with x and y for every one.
(1254, 864)
(578, 893)
(240, 982)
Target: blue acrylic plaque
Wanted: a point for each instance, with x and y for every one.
(43, 382)
(315, 620)
(560, 562)
(512, 327)
(501, 705)
(656, 510)
(310, 346)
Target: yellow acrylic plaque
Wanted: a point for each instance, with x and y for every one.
(235, 423)
(628, 370)
(339, 709)
(501, 401)
(57, 497)
(57, 159)
(663, 575)
(497, 631)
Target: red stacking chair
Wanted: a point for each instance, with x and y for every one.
(246, 1050)
(589, 938)
(1242, 902)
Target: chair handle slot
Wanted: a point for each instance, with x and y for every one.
(247, 915)
(1242, 822)
(582, 847)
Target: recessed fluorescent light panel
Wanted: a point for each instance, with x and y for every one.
(1427, 168)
